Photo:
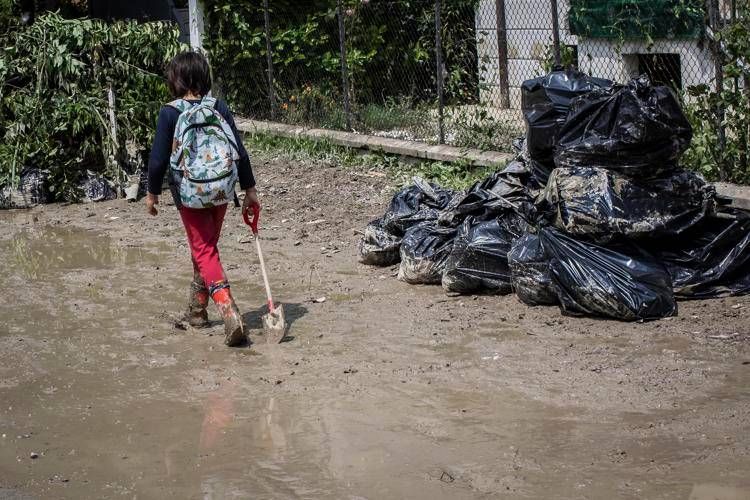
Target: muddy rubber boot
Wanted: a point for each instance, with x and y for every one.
(234, 329)
(196, 314)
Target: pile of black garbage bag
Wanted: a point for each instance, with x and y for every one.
(594, 215)
(34, 189)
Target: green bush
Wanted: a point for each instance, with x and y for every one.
(311, 106)
(53, 101)
(729, 161)
(390, 52)
(400, 114)
(7, 14)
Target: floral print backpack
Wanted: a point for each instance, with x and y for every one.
(204, 155)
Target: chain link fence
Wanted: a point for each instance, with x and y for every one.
(446, 71)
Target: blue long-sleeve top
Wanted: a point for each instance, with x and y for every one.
(161, 149)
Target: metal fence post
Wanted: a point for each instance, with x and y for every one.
(555, 33)
(721, 140)
(344, 67)
(196, 22)
(114, 143)
(502, 53)
(440, 72)
(269, 59)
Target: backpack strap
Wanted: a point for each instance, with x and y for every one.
(209, 101)
(180, 105)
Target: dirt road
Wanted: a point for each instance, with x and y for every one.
(385, 391)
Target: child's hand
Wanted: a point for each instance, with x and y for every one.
(251, 201)
(151, 201)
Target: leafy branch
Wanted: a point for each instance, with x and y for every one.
(54, 76)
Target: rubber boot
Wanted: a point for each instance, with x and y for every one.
(196, 314)
(234, 329)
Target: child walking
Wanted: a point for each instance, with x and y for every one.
(197, 145)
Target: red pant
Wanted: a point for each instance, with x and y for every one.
(203, 228)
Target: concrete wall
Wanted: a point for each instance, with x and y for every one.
(529, 33)
(605, 59)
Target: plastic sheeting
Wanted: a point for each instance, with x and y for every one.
(637, 129)
(424, 252)
(478, 261)
(378, 247)
(598, 281)
(529, 267)
(601, 205)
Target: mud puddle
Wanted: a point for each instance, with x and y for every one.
(385, 390)
(43, 252)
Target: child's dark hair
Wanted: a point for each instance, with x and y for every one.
(189, 72)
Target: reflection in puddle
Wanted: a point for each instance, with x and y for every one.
(271, 432)
(257, 445)
(218, 416)
(41, 251)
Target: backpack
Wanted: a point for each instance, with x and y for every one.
(204, 155)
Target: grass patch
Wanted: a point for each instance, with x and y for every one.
(398, 169)
(398, 115)
(479, 129)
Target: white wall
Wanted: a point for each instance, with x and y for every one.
(606, 59)
(528, 32)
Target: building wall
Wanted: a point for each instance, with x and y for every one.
(606, 59)
(529, 34)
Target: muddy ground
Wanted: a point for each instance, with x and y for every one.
(385, 390)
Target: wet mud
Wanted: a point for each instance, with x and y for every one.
(384, 390)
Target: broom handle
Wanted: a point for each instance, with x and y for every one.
(271, 308)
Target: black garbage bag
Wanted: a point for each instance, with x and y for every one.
(424, 252)
(529, 268)
(143, 183)
(476, 202)
(545, 103)
(536, 173)
(498, 194)
(378, 247)
(511, 183)
(32, 190)
(414, 204)
(540, 173)
(601, 205)
(96, 188)
(478, 261)
(637, 129)
(598, 281)
(710, 260)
